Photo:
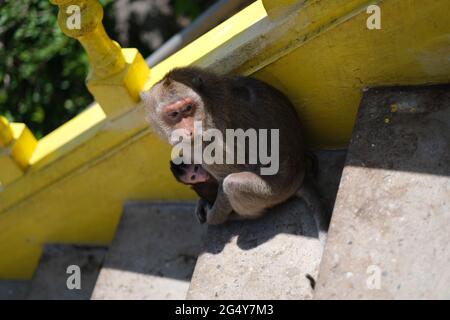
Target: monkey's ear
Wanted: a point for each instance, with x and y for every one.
(143, 95)
(167, 82)
(197, 82)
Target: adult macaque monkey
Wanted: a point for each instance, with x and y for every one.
(188, 95)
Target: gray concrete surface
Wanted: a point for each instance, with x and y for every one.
(153, 253)
(14, 289)
(390, 233)
(50, 278)
(268, 258)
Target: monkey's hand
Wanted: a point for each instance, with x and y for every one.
(201, 209)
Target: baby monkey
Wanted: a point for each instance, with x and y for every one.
(205, 185)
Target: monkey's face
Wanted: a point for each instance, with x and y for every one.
(189, 173)
(170, 106)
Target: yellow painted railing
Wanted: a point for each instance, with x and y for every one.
(17, 145)
(69, 187)
(117, 75)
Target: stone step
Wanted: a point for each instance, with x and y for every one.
(153, 253)
(390, 233)
(14, 289)
(275, 257)
(51, 278)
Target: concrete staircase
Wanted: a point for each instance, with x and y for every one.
(156, 246)
(275, 257)
(153, 253)
(390, 233)
(389, 236)
(50, 279)
(14, 290)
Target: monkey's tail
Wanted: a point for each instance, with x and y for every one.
(310, 194)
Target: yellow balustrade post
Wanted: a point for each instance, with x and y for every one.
(17, 145)
(6, 134)
(117, 75)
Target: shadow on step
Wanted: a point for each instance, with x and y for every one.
(291, 217)
(403, 129)
(153, 253)
(51, 279)
(274, 257)
(390, 230)
(156, 246)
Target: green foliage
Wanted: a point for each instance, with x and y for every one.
(42, 71)
(191, 8)
(188, 8)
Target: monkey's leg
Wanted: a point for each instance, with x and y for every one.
(246, 193)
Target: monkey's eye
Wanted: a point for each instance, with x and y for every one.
(188, 108)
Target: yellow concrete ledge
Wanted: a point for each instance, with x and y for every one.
(6, 134)
(120, 92)
(319, 53)
(17, 145)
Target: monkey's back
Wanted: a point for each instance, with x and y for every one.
(252, 104)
